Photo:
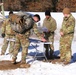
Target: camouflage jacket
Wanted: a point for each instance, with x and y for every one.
(36, 31)
(68, 25)
(27, 33)
(50, 24)
(6, 28)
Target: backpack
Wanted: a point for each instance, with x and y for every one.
(21, 22)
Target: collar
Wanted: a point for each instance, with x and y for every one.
(66, 18)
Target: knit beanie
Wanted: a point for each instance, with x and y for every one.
(66, 11)
(47, 12)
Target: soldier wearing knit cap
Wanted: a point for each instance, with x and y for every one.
(50, 24)
(47, 12)
(67, 33)
(66, 11)
(8, 34)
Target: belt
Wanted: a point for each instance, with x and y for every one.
(48, 32)
(20, 32)
(70, 32)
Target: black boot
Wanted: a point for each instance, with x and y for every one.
(47, 50)
(47, 54)
(51, 56)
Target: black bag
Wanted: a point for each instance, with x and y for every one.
(3, 35)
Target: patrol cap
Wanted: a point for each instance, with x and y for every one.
(66, 11)
(47, 12)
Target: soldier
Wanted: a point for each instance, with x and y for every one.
(67, 33)
(50, 24)
(7, 33)
(22, 40)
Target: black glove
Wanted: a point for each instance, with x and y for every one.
(3, 35)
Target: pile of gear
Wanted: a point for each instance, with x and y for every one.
(21, 22)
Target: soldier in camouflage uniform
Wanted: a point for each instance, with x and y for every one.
(50, 23)
(7, 33)
(67, 33)
(23, 40)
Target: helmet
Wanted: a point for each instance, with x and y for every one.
(66, 11)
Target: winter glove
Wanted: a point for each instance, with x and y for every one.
(3, 35)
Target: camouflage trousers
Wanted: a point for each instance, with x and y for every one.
(65, 47)
(21, 41)
(7, 42)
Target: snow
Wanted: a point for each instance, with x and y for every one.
(40, 67)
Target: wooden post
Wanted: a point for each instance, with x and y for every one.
(2, 8)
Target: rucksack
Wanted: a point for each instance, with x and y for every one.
(21, 23)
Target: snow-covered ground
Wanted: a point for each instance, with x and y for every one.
(40, 67)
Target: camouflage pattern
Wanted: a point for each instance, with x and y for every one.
(21, 23)
(50, 24)
(22, 40)
(68, 26)
(6, 28)
(9, 34)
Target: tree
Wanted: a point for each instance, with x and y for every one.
(54, 2)
(66, 3)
